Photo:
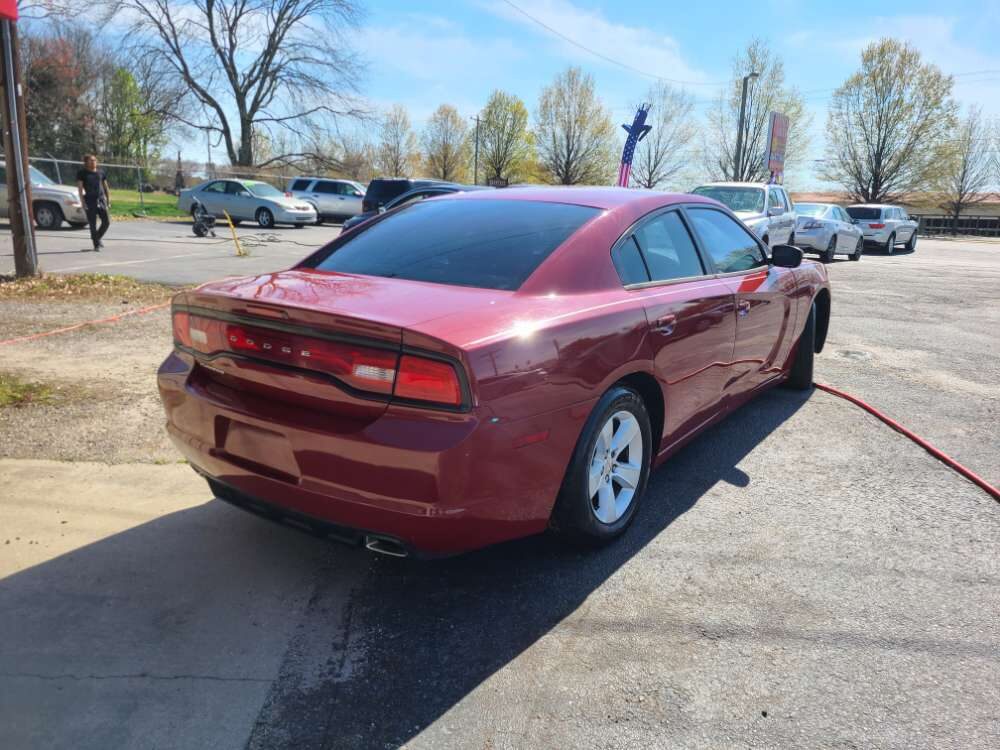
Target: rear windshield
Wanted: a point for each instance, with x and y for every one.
(735, 198)
(489, 244)
(810, 209)
(859, 212)
(384, 191)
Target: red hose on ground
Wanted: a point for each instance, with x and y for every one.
(110, 319)
(939, 455)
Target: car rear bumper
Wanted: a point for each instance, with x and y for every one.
(812, 240)
(437, 485)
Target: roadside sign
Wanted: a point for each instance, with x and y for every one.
(777, 140)
(497, 182)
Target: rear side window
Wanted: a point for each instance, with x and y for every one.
(301, 185)
(864, 214)
(668, 248)
(730, 246)
(629, 264)
(491, 244)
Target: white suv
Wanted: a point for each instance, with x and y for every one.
(885, 226)
(766, 209)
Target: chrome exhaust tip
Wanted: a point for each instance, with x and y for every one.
(385, 546)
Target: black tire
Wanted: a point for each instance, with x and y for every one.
(47, 215)
(890, 245)
(856, 255)
(265, 219)
(800, 378)
(911, 244)
(573, 516)
(200, 230)
(831, 247)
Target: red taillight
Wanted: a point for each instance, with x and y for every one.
(877, 226)
(365, 368)
(428, 380)
(362, 367)
(181, 321)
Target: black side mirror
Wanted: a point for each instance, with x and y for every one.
(786, 256)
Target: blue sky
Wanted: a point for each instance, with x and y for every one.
(424, 54)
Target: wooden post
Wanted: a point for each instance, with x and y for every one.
(16, 154)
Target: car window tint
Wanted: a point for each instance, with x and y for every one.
(864, 213)
(235, 188)
(327, 188)
(301, 184)
(629, 264)
(492, 244)
(668, 248)
(728, 243)
(216, 187)
(774, 200)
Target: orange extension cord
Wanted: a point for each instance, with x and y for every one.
(938, 454)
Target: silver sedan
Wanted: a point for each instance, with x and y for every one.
(827, 229)
(247, 200)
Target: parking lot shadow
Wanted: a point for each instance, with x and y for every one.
(428, 633)
(171, 633)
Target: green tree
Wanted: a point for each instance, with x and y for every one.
(967, 171)
(574, 132)
(445, 142)
(504, 145)
(132, 131)
(396, 152)
(888, 125)
(765, 94)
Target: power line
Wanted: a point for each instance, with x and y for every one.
(604, 57)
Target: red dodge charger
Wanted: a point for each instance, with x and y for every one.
(487, 365)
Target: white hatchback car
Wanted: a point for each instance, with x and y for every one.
(885, 226)
(766, 209)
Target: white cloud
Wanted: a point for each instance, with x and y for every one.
(638, 47)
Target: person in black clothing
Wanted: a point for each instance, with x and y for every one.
(95, 196)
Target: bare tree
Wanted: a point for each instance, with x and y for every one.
(357, 158)
(575, 137)
(253, 65)
(504, 146)
(968, 170)
(888, 124)
(397, 146)
(765, 94)
(445, 142)
(660, 156)
(36, 10)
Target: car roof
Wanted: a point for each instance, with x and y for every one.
(873, 205)
(605, 198)
(328, 179)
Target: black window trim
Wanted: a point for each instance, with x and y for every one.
(629, 234)
(720, 274)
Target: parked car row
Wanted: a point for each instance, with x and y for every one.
(822, 228)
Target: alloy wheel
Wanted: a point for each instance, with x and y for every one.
(615, 467)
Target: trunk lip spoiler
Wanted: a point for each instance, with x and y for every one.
(311, 331)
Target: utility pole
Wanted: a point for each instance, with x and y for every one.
(15, 145)
(475, 162)
(738, 159)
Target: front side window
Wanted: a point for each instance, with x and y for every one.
(668, 249)
(775, 200)
(216, 187)
(236, 188)
(327, 188)
(491, 244)
(728, 243)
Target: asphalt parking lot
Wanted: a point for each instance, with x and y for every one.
(168, 251)
(799, 576)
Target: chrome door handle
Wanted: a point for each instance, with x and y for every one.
(665, 324)
(743, 308)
